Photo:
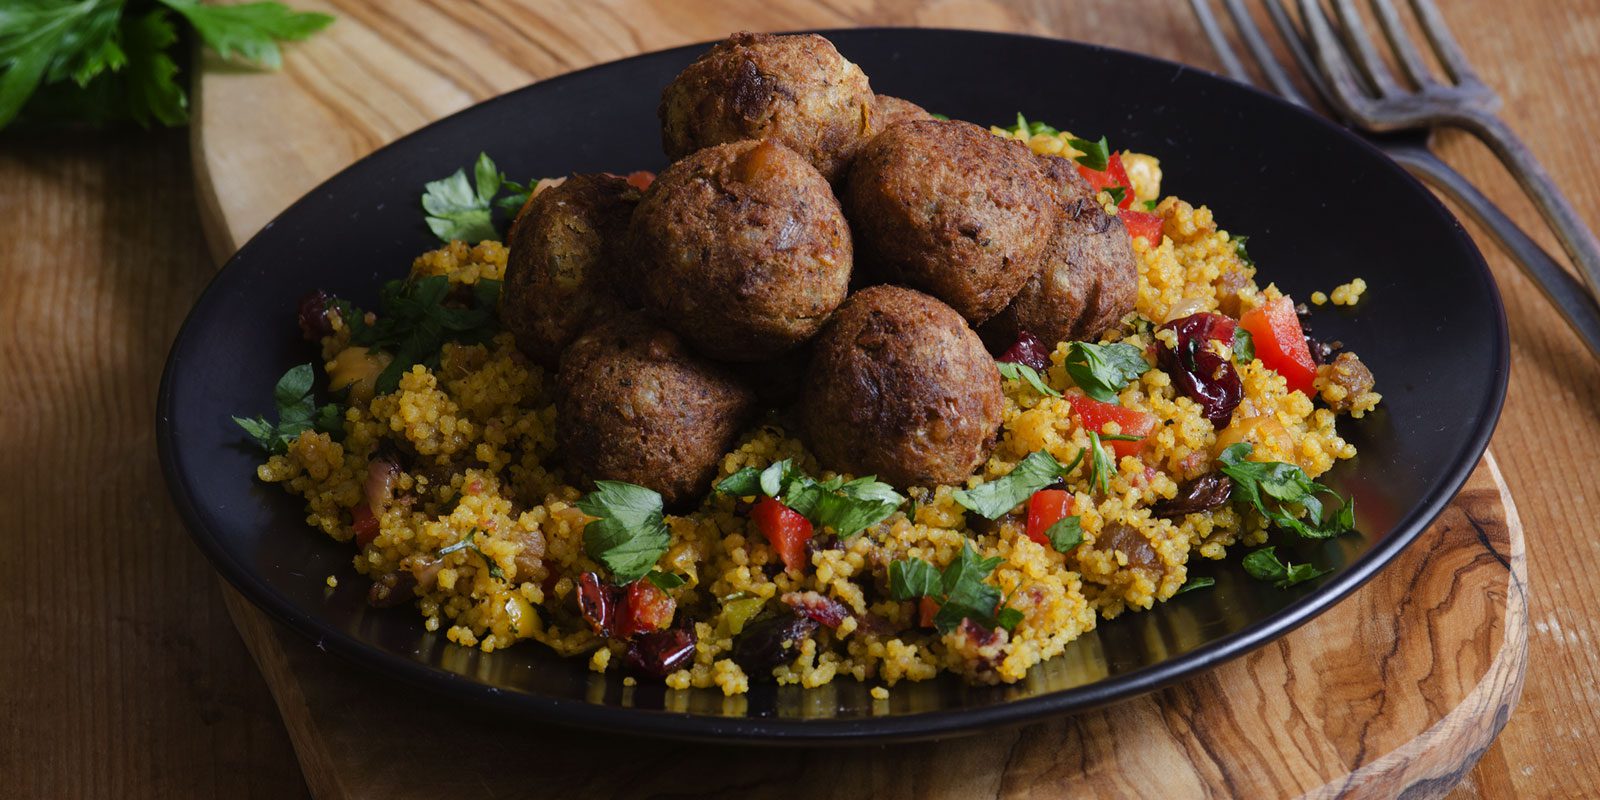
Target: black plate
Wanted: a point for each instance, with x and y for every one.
(1320, 206)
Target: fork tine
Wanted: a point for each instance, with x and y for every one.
(1400, 42)
(1345, 89)
(1444, 45)
(1359, 45)
(1219, 42)
(1297, 45)
(1262, 52)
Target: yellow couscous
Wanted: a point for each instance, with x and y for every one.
(486, 537)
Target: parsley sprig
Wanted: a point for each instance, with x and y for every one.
(458, 209)
(1031, 128)
(98, 61)
(1102, 370)
(469, 542)
(416, 317)
(1257, 482)
(629, 533)
(298, 412)
(1263, 565)
(995, 498)
(848, 507)
(960, 589)
(1015, 371)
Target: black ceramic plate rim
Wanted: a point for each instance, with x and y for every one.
(900, 727)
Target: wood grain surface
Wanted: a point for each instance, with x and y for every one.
(126, 681)
(401, 64)
(1395, 692)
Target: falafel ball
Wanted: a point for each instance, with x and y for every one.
(796, 89)
(951, 209)
(1086, 281)
(634, 405)
(742, 249)
(887, 110)
(900, 387)
(563, 252)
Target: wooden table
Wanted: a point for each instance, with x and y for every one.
(129, 680)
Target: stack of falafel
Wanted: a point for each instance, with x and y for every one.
(816, 245)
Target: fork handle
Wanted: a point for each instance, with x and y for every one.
(1569, 228)
(1564, 291)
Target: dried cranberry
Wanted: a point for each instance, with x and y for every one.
(823, 609)
(1204, 493)
(600, 602)
(313, 315)
(661, 653)
(1027, 349)
(771, 642)
(1198, 371)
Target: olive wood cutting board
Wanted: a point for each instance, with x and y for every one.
(1397, 690)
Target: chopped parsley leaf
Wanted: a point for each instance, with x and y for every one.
(1013, 371)
(1150, 205)
(1102, 370)
(1117, 193)
(459, 209)
(1066, 534)
(1101, 467)
(994, 498)
(1008, 618)
(664, 580)
(467, 542)
(848, 507)
(629, 534)
(1243, 254)
(1263, 565)
(414, 321)
(1199, 582)
(298, 412)
(1244, 346)
(1096, 155)
(959, 589)
(1256, 481)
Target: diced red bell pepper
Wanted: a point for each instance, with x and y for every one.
(1142, 223)
(1045, 508)
(364, 523)
(641, 180)
(649, 609)
(1113, 175)
(1095, 414)
(927, 609)
(1281, 344)
(786, 529)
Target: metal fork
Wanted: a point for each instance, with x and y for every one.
(1363, 92)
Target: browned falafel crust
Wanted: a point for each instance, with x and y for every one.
(899, 386)
(948, 208)
(633, 404)
(742, 249)
(1088, 277)
(563, 253)
(796, 89)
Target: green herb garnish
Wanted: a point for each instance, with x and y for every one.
(1102, 370)
(1117, 194)
(94, 61)
(1008, 618)
(960, 589)
(1013, 371)
(1243, 254)
(629, 533)
(1263, 565)
(1066, 534)
(457, 210)
(1101, 467)
(1201, 582)
(1150, 205)
(994, 498)
(298, 412)
(1031, 128)
(939, 116)
(1255, 481)
(467, 542)
(414, 321)
(848, 507)
(664, 580)
(1096, 155)
(1244, 346)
